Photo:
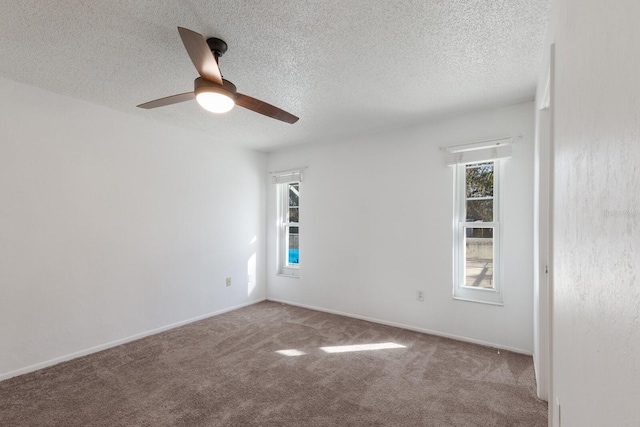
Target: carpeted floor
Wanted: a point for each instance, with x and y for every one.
(232, 370)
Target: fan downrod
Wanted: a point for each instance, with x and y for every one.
(218, 46)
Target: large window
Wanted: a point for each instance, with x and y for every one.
(477, 232)
(288, 223)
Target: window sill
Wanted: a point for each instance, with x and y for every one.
(291, 276)
(499, 304)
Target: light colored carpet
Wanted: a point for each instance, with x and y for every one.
(227, 371)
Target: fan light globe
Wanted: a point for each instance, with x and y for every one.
(215, 102)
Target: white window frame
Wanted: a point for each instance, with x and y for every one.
(460, 290)
(284, 268)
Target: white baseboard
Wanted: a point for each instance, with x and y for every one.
(115, 343)
(407, 327)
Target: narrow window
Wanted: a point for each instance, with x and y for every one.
(288, 191)
(290, 224)
(477, 232)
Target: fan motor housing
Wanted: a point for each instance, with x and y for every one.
(201, 85)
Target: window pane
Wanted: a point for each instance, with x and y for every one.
(293, 214)
(478, 269)
(288, 233)
(294, 194)
(479, 210)
(479, 180)
(293, 247)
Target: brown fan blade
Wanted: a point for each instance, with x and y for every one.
(264, 108)
(201, 55)
(173, 99)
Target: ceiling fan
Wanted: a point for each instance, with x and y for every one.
(212, 92)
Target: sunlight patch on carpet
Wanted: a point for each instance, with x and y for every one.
(291, 352)
(361, 347)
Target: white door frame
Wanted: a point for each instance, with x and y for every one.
(543, 227)
(554, 408)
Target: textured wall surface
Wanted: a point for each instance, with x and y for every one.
(376, 225)
(596, 363)
(112, 226)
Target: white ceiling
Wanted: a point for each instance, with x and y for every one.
(344, 67)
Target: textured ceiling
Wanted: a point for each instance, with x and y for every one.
(343, 67)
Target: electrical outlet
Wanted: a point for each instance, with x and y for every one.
(228, 281)
(419, 295)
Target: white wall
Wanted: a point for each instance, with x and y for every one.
(596, 326)
(112, 226)
(376, 225)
